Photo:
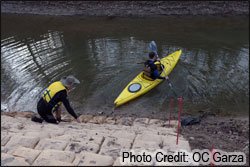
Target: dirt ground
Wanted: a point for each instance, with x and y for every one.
(225, 133)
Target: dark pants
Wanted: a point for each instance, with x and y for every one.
(45, 112)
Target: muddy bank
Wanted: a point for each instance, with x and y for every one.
(127, 8)
(224, 133)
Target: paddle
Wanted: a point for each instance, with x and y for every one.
(153, 48)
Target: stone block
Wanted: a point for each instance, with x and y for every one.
(85, 118)
(71, 126)
(16, 128)
(25, 141)
(28, 154)
(3, 133)
(123, 134)
(4, 126)
(114, 152)
(167, 131)
(149, 137)
(110, 120)
(169, 144)
(92, 159)
(127, 121)
(23, 114)
(146, 145)
(107, 128)
(156, 122)
(75, 134)
(38, 134)
(77, 159)
(4, 139)
(94, 137)
(115, 142)
(10, 160)
(67, 118)
(98, 139)
(51, 162)
(55, 131)
(51, 144)
(141, 121)
(182, 145)
(77, 147)
(32, 126)
(63, 137)
(4, 149)
(117, 162)
(173, 123)
(63, 156)
(96, 131)
(97, 119)
(112, 146)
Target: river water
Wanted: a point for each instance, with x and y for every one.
(103, 53)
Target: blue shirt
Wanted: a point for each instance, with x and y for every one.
(154, 72)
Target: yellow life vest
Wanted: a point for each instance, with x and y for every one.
(158, 64)
(50, 92)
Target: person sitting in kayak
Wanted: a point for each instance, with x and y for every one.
(53, 97)
(153, 67)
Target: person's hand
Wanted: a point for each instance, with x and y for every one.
(166, 78)
(59, 119)
(78, 120)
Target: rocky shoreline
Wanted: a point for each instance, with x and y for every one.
(224, 133)
(127, 8)
(98, 140)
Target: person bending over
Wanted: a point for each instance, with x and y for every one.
(52, 99)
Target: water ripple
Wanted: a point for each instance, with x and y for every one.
(27, 65)
(213, 70)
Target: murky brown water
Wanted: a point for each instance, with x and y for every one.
(103, 53)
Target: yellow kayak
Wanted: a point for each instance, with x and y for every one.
(141, 84)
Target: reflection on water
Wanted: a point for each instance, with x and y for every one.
(213, 71)
(28, 65)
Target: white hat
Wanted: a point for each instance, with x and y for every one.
(69, 80)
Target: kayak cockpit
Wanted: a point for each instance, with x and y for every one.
(146, 75)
